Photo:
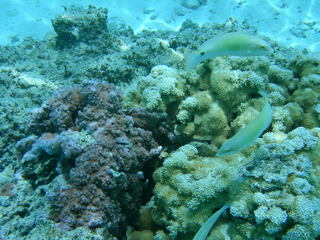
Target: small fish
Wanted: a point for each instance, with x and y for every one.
(207, 225)
(228, 44)
(249, 134)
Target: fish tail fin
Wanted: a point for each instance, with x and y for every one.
(192, 59)
(263, 93)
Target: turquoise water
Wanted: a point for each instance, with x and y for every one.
(292, 22)
(141, 119)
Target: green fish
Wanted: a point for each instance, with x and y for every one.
(205, 229)
(228, 44)
(250, 133)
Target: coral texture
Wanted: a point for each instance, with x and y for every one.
(214, 102)
(278, 193)
(195, 114)
(275, 193)
(189, 186)
(83, 134)
(210, 104)
(79, 25)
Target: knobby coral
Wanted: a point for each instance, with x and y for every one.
(83, 136)
(276, 192)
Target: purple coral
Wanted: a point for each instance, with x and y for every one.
(102, 168)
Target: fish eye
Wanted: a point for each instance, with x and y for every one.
(202, 53)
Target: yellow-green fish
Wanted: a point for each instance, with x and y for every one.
(207, 225)
(249, 134)
(228, 44)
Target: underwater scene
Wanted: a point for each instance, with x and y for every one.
(160, 120)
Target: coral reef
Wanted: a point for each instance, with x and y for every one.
(189, 186)
(19, 94)
(212, 103)
(90, 163)
(199, 106)
(84, 135)
(195, 114)
(79, 25)
(276, 192)
(283, 186)
(24, 212)
(209, 104)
